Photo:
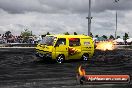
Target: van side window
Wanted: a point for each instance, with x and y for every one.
(61, 41)
(74, 42)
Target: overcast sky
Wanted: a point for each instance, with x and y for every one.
(59, 16)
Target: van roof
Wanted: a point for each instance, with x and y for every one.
(71, 36)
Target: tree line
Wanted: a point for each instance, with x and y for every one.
(26, 33)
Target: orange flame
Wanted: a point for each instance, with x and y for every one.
(81, 71)
(105, 45)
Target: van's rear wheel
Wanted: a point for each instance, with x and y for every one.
(60, 58)
(85, 57)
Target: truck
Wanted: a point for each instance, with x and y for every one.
(65, 47)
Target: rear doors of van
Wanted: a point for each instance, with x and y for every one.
(87, 45)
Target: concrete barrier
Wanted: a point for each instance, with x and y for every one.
(18, 45)
(124, 46)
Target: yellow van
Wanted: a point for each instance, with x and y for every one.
(65, 47)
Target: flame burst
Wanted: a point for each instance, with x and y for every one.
(81, 71)
(105, 45)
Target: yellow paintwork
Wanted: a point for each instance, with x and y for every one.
(87, 46)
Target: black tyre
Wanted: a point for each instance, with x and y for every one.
(85, 57)
(60, 58)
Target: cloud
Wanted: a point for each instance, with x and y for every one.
(62, 6)
(20, 6)
(41, 23)
(59, 16)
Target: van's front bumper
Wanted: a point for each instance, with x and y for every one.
(45, 55)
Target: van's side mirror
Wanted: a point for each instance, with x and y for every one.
(56, 45)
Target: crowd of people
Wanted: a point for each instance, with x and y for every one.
(18, 39)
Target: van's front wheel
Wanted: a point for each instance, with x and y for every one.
(85, 57)
(60, 58)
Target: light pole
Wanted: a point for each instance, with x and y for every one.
(116, 1)
(89, 18)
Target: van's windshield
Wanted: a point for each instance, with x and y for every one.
(48, 40)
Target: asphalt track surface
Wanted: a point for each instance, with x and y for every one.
(20, 69)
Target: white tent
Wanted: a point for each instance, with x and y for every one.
(129, 40)
(94, 39)
(119, 40)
